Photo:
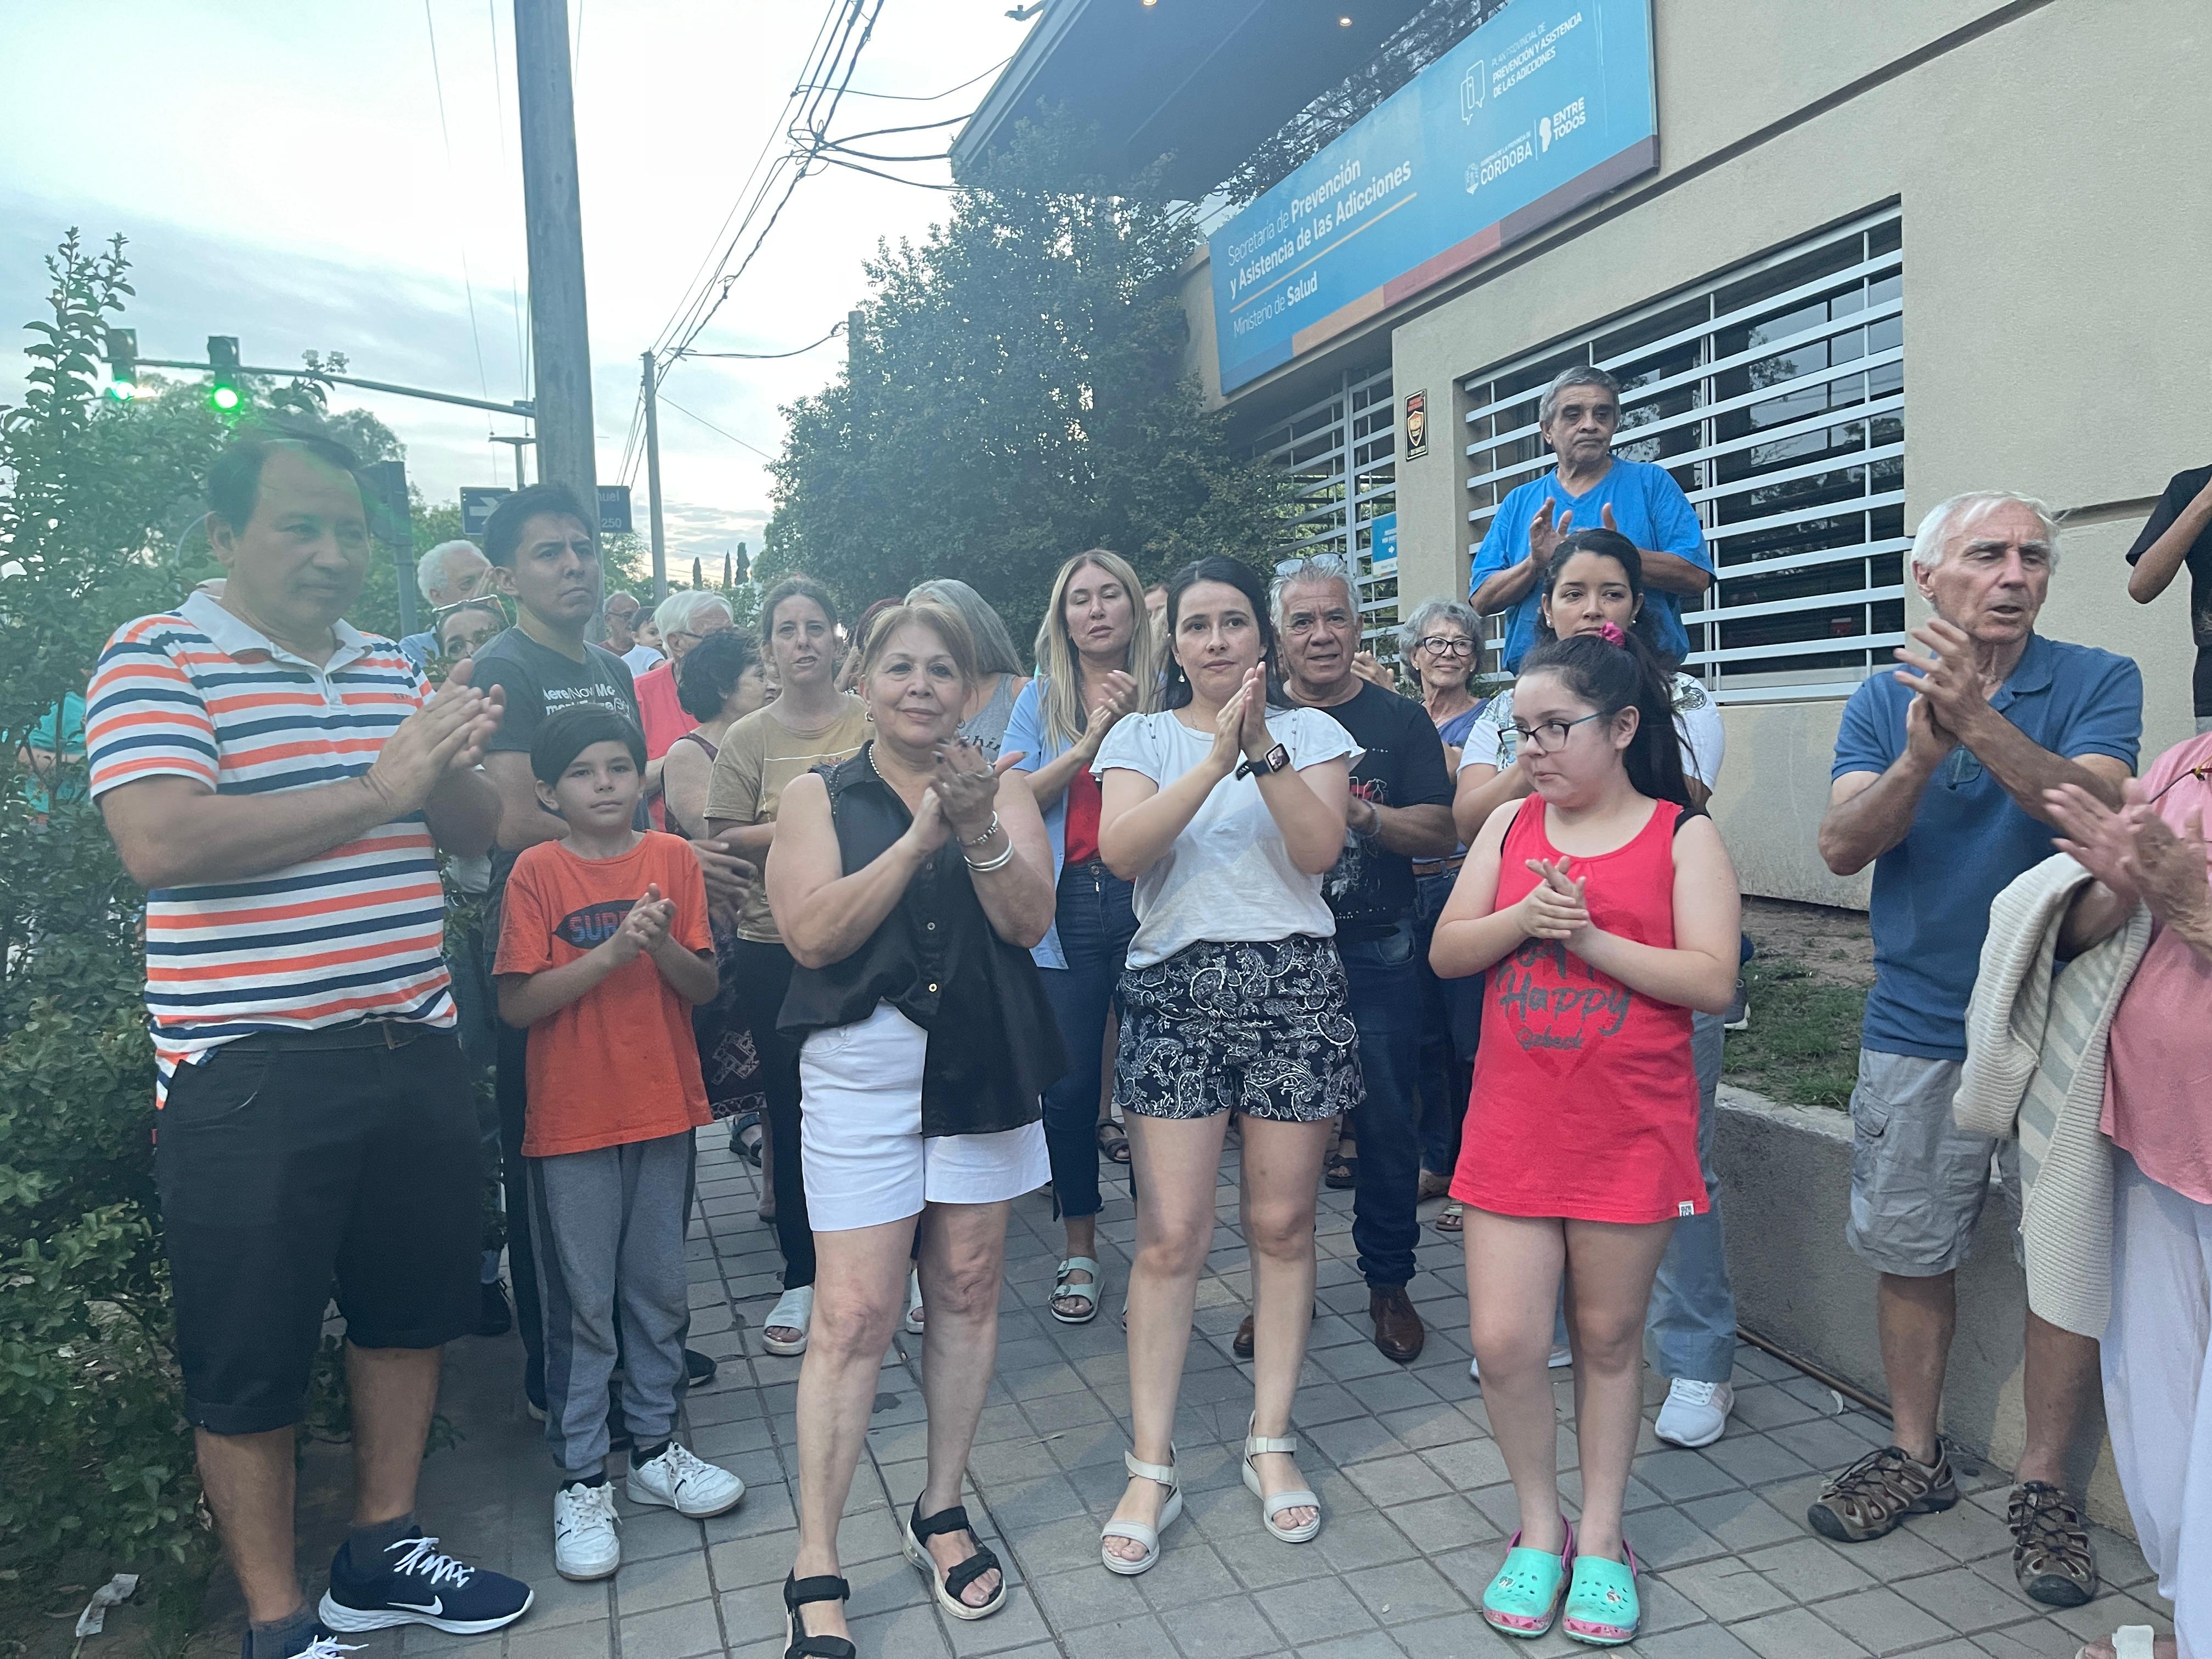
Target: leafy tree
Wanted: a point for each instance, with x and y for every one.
(1018, 395)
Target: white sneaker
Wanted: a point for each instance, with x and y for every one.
(915, 1324)
(1696, 1413)
(585, 1545)
(793, 1311)
(1560, 1359)
(677, 1480)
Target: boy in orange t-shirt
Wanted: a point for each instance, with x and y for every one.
(603, 950)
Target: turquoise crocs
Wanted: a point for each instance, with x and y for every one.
(1523, 1600)
(1601, 1607)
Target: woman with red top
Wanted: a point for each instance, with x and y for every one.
(1095, 664)
(1605, 910)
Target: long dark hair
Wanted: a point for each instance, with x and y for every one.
(1218, 567)
(1611, 678)
(1607, 544)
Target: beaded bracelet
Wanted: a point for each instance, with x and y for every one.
(977, 841)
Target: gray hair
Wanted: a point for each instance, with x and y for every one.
(1577, 374)
(995, 647)
(1429, 613)
(1947, 517)
(1326, 570)
(676, 613)
(433, 568)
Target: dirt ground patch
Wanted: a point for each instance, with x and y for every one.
(1807, 983)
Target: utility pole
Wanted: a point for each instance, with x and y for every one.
(554, 217)
(653, 483)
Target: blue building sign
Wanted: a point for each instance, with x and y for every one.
(1545, 107)
(1383, 556)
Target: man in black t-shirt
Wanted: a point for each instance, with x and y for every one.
(2180, 532)
(545, 560)
(1400, 810)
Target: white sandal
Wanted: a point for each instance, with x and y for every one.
(793, 1311)
(2129, 1641)
(914, 1323)
(1136, 1531)
(1088, 1293)
(1256, 1446)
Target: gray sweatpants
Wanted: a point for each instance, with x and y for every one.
(608, 1227)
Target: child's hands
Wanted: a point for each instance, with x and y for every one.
(644, 926)
(1553, 907)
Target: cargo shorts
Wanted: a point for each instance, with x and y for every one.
(1918, 1180)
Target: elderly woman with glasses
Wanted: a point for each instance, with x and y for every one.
(1441, 639)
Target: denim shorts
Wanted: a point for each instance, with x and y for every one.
(1261, 1027)
(1918, 1180)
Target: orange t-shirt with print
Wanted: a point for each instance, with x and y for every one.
(619, 1064)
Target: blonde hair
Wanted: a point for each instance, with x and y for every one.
(1059, 664)
(942, 620)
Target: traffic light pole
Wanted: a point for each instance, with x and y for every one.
(521, 406)
(653, 483)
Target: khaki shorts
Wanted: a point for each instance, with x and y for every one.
(1918, 1180)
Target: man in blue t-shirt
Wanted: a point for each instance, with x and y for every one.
(1941, 771)
(1590, 489)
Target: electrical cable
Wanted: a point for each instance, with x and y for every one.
(718, 431)
(770, 356)
(932, 97)
(499, 105)
(468, 283)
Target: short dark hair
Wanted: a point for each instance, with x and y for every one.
(710, 670)
(570, 732)
(234, 485)
(502, 531)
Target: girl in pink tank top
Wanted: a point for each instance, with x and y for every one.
(1604, 911)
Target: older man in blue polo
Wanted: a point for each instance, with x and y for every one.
(1941, 770)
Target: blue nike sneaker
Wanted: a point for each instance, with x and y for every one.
(416, 1585)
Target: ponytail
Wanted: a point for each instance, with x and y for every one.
(1613, 671)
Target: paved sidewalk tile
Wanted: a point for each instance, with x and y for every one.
(1417, 1502)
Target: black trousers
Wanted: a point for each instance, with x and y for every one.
(763, 975)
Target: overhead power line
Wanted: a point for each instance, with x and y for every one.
(468, 282)
(770, 356)
(718, 431)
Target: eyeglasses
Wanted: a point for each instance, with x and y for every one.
(1445, 645)
(1550, 737)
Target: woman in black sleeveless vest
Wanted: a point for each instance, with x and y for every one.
(909, 883)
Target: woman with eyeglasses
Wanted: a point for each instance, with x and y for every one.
(1441, 639)
(463, 629)
(1604, 909)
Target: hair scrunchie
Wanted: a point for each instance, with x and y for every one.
(1611, 634)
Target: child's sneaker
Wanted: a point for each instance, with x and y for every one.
(585, 1544)
(677, 1480)
(413, 1584)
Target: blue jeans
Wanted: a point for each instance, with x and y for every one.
(1690, 1332)
(1447, 1068)
(1097, 920)
(1384, 984)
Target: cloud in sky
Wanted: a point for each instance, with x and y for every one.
(283, 173)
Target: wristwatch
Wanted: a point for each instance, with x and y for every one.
(1275, 760)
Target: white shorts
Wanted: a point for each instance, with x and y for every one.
(861, 1149)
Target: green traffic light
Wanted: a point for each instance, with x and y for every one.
(224, 397)
(122, 391)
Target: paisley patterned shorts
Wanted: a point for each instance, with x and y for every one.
(1259, 1026)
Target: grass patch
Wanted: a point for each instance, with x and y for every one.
(1803, 1043)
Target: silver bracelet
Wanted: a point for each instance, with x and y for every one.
(977, 841)
(1001, 862)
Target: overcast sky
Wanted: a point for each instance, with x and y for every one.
(280, 172)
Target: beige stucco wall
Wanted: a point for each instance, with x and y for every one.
(2056, 179)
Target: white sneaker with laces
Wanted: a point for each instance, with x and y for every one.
(1559, 1360)
(693, 1487)
(585, 1544)
(1696, 1413)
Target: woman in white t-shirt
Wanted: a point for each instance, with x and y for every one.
(1226, 809)
(1594, 578)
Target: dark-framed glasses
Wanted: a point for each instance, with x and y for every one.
(1549, 737)
(1445, 645)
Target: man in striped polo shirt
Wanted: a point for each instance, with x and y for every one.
(279, 783)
